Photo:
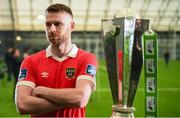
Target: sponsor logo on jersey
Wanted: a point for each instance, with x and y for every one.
(70, 72)
(91, 70)
(44, 74)
(22, 74)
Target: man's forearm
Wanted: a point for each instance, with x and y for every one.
(62, 97)
(67, 97)
(35, 105)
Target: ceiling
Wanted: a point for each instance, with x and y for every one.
(27, 15)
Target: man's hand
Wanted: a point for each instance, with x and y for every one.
(38, 90)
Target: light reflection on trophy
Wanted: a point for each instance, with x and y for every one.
(123, 56)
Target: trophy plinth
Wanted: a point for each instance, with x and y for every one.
(122, 112)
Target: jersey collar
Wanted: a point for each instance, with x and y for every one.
(72, 53)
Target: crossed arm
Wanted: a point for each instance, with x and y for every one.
(44, 99)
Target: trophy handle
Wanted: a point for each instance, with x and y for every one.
(121, 112)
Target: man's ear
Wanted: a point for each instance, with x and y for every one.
(72, 26)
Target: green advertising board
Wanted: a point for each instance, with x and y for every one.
(150, 52)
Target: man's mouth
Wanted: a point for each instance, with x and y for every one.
(51, 37)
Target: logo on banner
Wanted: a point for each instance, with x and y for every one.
(150, 47)
(150, 66)
(150, 101)
(150, 85)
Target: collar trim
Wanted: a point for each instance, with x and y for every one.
(72, 53)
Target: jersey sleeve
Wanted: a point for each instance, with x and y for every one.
(88, 68)
(26, 73)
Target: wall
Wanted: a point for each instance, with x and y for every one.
(90, 41)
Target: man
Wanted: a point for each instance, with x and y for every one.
(166, 56)
(8, 61)
(16, 63)
(58, 81)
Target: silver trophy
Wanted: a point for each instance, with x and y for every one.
(123, 56)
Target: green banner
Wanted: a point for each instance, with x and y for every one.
(150, 47)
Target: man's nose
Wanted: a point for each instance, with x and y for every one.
(52, 28)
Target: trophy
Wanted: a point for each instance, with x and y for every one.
(124, 59)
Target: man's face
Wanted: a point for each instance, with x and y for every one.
(58, 27)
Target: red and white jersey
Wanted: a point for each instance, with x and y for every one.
(46, 69)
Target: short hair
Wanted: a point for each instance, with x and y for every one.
(59, 8)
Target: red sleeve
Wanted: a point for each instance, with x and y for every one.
(87, 69)
(26, 73)
(88, 65)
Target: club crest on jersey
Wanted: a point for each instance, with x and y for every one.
(70, 72)
(91, 70)
(22, 74)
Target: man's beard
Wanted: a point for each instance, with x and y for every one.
(55, 40)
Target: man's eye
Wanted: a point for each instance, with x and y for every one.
(57, 24)
(48, 24)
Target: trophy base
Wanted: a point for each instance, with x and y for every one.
(121, 112)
